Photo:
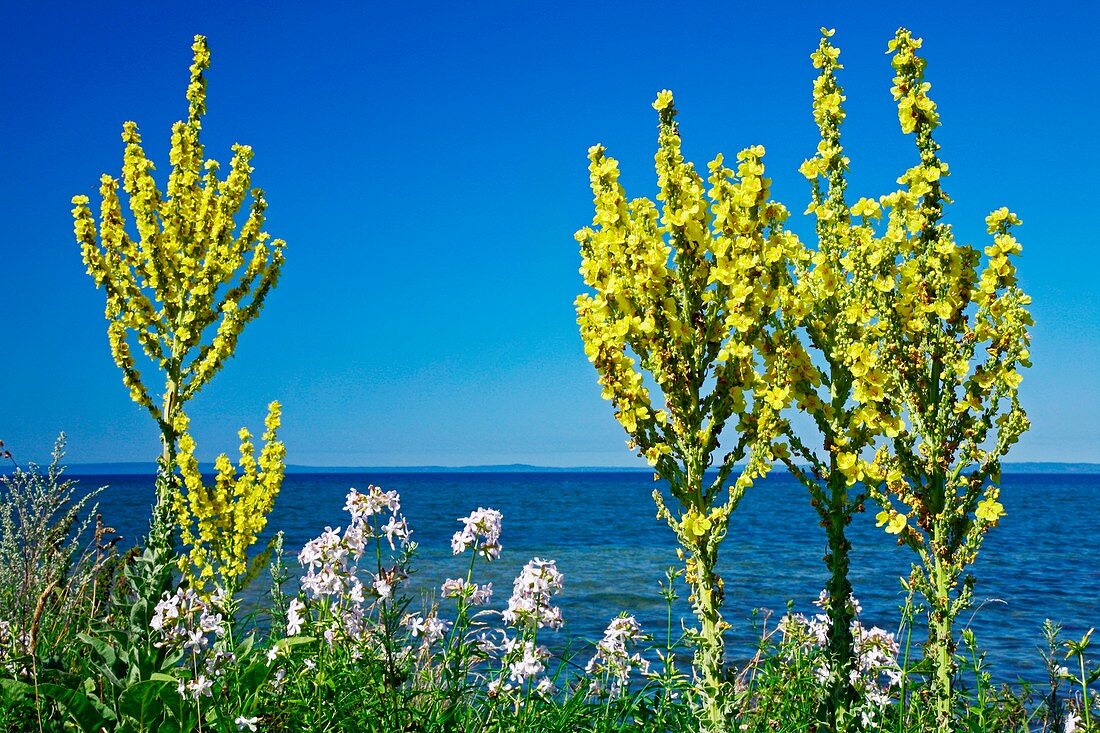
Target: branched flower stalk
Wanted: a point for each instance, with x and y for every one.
(183, 291)
(220, 523)
(954, 336)
(842, 388)
(685, 295)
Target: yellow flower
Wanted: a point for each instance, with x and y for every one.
(664, 100)
(695, 524)
(989, 510)
(867, 208)
(893, 521)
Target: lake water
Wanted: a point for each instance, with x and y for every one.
(1043, 561)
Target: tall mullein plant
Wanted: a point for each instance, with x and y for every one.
(954, 338)
(684, 293)
(841, 385)
(183, 291)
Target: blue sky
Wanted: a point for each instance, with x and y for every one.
(426, 165)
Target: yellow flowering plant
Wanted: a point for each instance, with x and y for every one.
(952, 334)
(841, 386)
(683, 293)
(220, 523)
(184, 289)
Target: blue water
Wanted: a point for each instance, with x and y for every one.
(1041, 562)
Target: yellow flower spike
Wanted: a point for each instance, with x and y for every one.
(219, 524)
(187, 273)
(681, 289)
(693, 524)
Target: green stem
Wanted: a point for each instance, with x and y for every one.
(841, 644)
(1085, 702)
(710, 651)
(942, 644)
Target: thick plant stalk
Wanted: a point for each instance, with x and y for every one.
(685, 295)
(942, 645)
(840, 386)
(710, 649)
(955, 336)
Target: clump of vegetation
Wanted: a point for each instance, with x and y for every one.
(56, 558)
(707, 321)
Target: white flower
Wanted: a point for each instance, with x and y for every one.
(196, 641)
(373, 502)
(476, 595)
(416, 625)
(1072, 719)
(293, 617)
(531, 592)
(612, 660)
(200, 686)
(243, 722)
(383, 588)
(525, 660)
(481, 531)
(395, 528)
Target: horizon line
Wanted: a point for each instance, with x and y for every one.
(144, 467)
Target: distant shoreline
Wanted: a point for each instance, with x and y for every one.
(138, 469)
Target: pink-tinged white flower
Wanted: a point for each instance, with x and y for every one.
(498, 687)
(530, 602)
(430, 628)
(481, 530)
(613, 663)
(525, 660)
(201, 686)
(325, 549)
(1072, 719)
(374, 501)
(395, 528)
(294, 617)
(383, 588)
(196, 641)
(183, 620)
(243, 723)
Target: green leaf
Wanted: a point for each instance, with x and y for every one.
(81, 708)
(142, 702)
(105, 651)
(258, 564)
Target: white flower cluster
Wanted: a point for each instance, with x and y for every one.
(525, 662)
(613, 664)
(331, 562)
(876, 671)
(431, 628)
(481, 530)
(331, 558)
(184, 620)
(529, 605)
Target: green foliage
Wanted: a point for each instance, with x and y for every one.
(56, 557)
